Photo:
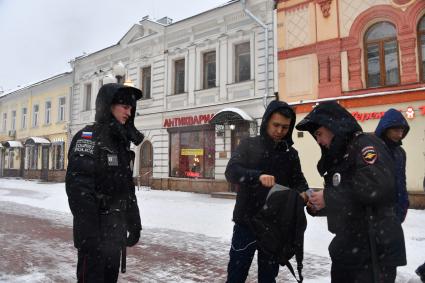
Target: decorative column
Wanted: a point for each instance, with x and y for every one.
(408, 59)
(191, 74)
(329, 57)
(355, 68)
(222, 67)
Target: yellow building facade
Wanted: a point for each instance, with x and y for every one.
(34, 129)
(367, 55)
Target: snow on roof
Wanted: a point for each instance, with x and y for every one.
(33, 84)
(12, 144)
(39, 140)
(221, 115)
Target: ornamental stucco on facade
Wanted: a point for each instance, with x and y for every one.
(349, 10)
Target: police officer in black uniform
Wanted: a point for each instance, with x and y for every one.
(100, 188)
(358, 198)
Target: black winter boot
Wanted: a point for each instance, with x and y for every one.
(420, 271)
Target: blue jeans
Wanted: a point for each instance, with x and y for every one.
(241, 254)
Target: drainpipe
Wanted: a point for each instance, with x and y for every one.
(266, 35)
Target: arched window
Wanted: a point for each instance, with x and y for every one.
(421, 45)
(381, 53)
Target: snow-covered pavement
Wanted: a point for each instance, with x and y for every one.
(185, 238)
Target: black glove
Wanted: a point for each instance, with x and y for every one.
(133, 238)
(134, 135)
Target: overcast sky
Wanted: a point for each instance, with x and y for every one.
(39, 37)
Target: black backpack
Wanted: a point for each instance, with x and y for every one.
(280, 225)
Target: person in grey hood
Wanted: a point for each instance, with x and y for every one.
(100, 188)
(257, 164)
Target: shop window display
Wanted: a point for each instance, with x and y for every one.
(192, 154)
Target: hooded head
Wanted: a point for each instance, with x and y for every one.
(114, 93)
(284, 109)
(336, 119)
(392, 119)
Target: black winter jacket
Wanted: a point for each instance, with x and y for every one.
(359, 173)
(261, 155)
(393, 118)
(99, 184)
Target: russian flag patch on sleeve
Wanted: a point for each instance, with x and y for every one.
(87, 135)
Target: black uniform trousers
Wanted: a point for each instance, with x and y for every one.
(340, 274)
(99, 265)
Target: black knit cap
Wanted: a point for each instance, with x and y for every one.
(124, 96)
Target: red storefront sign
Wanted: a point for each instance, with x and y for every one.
(410, 113)
(187, 120)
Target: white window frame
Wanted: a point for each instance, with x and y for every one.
(235, 62)
(171, 72)
(175, 76)
(231, 73)
(87, 101)
(35, 115)
(141, 81)
(200, 51)
(61, 109)
(47, 112)
(13, 120)
(4, 127)
(24, 117)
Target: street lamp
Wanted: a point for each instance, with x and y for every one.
(109, 79)
(119, 71)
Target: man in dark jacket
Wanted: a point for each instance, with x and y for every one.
(256, 165)
(358, 198)
(392, 128)
(100, 188)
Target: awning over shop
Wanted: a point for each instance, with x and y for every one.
(56, 141)
(230, 115)
(9, 144)
(37, 140)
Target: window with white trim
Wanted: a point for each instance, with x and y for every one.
(381, 55)
(13, 120)
(242, 62)
(87, 97)
(61, 109)
(35, 110)
(145, 79)
(209, 70)
(4, 122)
(179, 72)
(24, 118)
(48, 112)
